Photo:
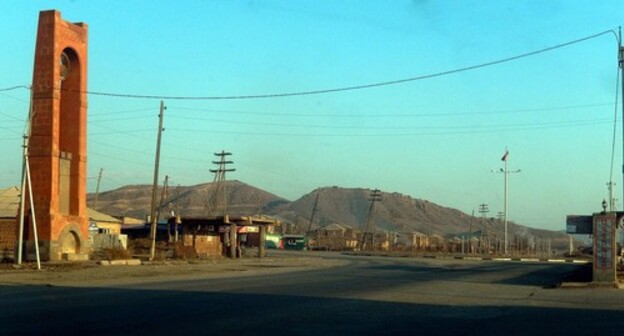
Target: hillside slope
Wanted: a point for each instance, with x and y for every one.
(135, 200)
(394, 212)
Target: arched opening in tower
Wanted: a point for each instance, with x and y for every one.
(69, 132)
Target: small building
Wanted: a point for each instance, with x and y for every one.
(104, 222)
(335, 236)
(419, 240)
(9, 206)
(436, 243)
(415, 241)
(224, 235)
(125, 220)
(105, 231)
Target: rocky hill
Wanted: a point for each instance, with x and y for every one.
(135, 200)
(350, 206)
(402, 213)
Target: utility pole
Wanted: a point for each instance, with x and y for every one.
(314, 210)
(178, 217)
(621, 66)
(27, 181)
(368, 236)
(219, 198)
(154, 221)
(97, 189)
(501, 217)
(163, 197)
(483, 210)
(610, 186)
(470, 234)
(506, 172)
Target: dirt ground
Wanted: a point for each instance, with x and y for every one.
(92, 274)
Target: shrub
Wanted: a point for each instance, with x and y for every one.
(115, 253)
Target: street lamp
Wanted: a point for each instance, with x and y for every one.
(506, 172)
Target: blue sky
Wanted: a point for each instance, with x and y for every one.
(436, 139)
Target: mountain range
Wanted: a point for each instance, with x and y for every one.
(348, 206)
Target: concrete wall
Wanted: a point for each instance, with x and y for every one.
(204, 245)
(104, 240)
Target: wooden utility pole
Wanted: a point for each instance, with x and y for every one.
(97, 189)
(262, 242)
(470, 234)
(154, 221)
(220, 199)
(219, 196)
(26, 181)
(314, 210)
(484, 240)
(163, 197)
(621, 66)
(368, 236)
(178, 217)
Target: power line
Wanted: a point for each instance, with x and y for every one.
(309, 126)
(341, 89)
(396, 115)
(424, 131)
(144, 153)
(15, 88)
(107, 113)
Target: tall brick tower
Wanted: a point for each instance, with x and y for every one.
(57, 146)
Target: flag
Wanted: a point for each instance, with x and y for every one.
(504, 158)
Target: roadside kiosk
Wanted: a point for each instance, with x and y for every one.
(294, 242)
(602, 226)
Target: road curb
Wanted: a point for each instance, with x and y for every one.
(124, 262)
(483, 258)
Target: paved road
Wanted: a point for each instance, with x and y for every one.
(370, 296)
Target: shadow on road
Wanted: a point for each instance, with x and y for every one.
(109, 311)
(545, 275)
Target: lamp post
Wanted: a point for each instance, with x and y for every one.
(505, 171)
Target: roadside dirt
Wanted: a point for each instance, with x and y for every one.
(91, 274)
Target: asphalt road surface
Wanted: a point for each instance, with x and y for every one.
(363, 296)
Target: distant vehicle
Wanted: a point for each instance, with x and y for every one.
(273, 241)
(293, 242)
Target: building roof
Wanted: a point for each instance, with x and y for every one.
(228, 220)
(132, 221)
(9, 202)
(333, 227)
(97, 216)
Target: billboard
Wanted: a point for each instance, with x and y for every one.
(579, 224)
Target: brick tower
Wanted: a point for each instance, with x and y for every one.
(57, 146)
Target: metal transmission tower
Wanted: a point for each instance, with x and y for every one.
(368, 236)
(218, 199)
(483, 210)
